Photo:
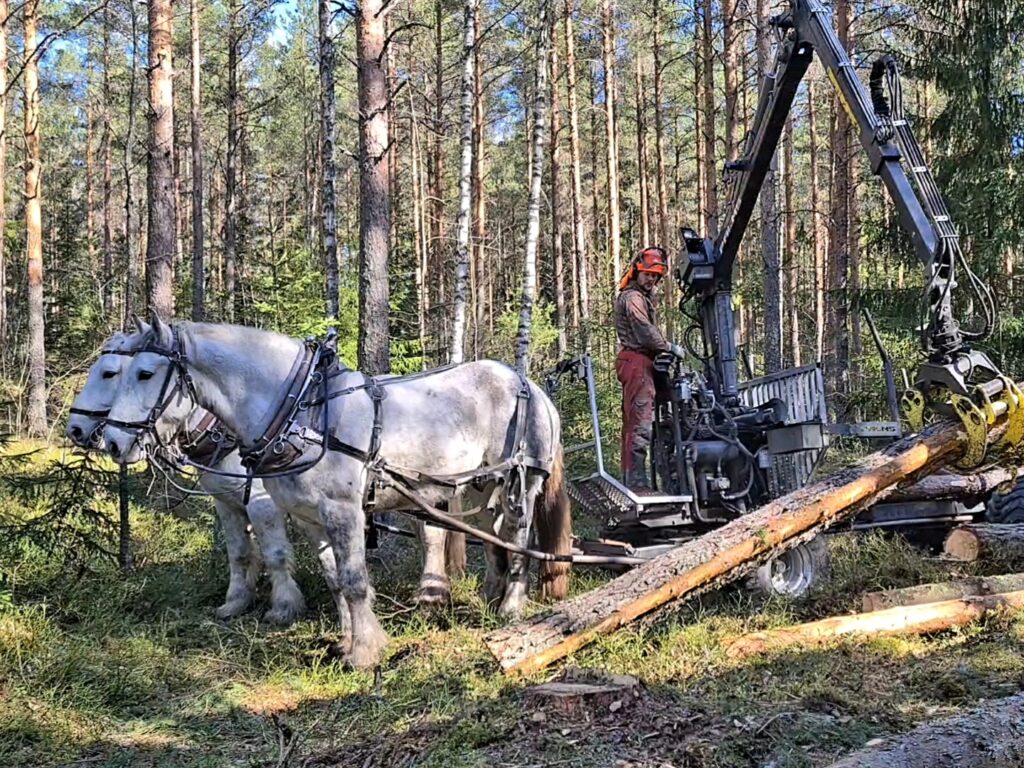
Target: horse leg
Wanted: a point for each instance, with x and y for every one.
(268, 523)
(344, 522)
(495, 579)
(520, 520)
(435, 588)
(329, 565)
(243, 560)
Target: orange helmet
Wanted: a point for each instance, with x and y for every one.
(651, 259)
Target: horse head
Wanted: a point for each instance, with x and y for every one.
(92, 404)
(154, 396)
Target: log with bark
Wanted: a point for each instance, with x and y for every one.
(974, 541)
(901, 620)
(949, 486)
(727, 553)
(991, 736)
(948, 590)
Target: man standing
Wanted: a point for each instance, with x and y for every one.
(641, 341)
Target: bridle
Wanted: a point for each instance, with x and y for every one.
(177, 380)
(99, 413)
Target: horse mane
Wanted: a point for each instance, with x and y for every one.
(223, 331)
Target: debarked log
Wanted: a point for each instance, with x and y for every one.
(901, 620)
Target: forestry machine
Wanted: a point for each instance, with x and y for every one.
(722, 447)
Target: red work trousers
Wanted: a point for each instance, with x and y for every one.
(636, 374)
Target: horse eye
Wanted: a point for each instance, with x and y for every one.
(109, 374)
(145, 375)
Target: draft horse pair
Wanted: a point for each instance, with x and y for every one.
(332, 445)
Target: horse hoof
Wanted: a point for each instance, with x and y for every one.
(432, 597)
(232, 608)
(285, 614)
(367, 654)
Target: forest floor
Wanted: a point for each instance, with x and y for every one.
(101, 669)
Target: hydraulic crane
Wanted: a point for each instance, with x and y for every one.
(721, 446)
(952, 365)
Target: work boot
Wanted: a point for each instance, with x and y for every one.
(636, 478)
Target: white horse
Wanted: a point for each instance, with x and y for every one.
(432, 430)
(444, 554)
(85, 424)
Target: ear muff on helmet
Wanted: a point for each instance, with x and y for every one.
(648, 260)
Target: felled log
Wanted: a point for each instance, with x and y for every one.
(991, 736)
(947, 590)
(949, 486)
(727, 553)
(902, 620)
(973, 541)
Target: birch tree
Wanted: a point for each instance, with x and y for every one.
(329, 234)
(456, 352)
(537, 172)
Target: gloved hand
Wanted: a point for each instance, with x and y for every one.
(677, 350)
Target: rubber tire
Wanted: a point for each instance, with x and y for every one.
(817, 564)
(1006, 507)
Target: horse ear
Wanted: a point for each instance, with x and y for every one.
(162, 332)
(141, 326)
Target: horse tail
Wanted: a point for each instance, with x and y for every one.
(455, 554)
(554, 531)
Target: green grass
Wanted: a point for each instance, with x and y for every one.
(98, 668)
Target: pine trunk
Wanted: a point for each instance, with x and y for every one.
(770, 221)
(4, 17)
(160, 182)
(664, 235)
(579, 230)
(608, 57)
(329, 233)
(198, 237)
(641, 159)
(710, 166)
(818, 236)
(792, 261)
(90, 192)
(457, 352)
(127, 164)
(231, 165)
(34, 229)
(838, 310)
(374, 202)
(533, 208)
(108, 175)
(419, 224)
(733, 70)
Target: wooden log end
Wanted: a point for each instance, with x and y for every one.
(961, 544)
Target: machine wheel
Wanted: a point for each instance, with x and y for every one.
(796, 571)
(1006, 506)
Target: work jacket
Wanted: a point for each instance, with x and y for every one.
(636, 322)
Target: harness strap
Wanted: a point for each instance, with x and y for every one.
(281, 412)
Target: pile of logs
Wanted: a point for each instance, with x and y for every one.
(732, 551)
